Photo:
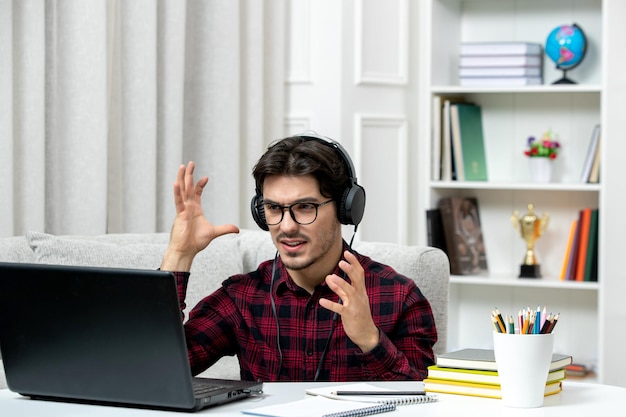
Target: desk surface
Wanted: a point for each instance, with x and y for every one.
(577, 399)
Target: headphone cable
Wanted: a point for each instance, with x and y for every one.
(275, 313)
(273, 303)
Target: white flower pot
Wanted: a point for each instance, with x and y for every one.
(540, 169)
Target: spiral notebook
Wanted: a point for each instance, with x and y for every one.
(320, 407)
(392, 398)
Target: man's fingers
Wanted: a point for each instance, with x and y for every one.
(338, 285)
(225, 229)
(354, 270)
(329, 305)
(188, 181)
(202, 182)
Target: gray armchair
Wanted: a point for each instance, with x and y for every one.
(225, 256)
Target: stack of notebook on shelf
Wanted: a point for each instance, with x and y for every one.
(474, 372)
(501, 64)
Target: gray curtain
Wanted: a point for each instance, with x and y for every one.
(102, 100)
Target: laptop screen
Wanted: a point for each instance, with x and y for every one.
(94, 334)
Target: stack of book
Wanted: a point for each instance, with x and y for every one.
(473, 372)
(580, 262)
(458, 143)
(501, 64)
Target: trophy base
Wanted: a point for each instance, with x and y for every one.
(530, 271)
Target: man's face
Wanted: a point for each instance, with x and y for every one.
(302, 247)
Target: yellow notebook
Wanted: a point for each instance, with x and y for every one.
(477, 390)
(479, 376)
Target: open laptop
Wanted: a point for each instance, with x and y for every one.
(100, 335)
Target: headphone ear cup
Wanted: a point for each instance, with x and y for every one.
(352, 206)
(258, 213)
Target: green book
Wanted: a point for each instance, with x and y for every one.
(470, 128)
(591, 261)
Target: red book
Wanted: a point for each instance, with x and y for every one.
(585, 221)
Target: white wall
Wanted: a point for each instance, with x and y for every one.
(348, 77)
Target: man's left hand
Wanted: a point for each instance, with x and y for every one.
(354, 309)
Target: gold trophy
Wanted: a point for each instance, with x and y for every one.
(531, 228)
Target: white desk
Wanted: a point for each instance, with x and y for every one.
(577, 399)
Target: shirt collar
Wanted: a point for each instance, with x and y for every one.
(285, 282)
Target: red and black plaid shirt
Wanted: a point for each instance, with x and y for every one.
(237, 319)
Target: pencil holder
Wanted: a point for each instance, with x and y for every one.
(523, 362)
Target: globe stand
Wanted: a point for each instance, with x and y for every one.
(564, 79)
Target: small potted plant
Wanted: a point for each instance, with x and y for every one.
(541, 152)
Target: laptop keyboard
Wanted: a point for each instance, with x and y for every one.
(203, 388)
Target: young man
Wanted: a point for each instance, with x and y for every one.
(318, 310)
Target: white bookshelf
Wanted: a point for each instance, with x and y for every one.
(510, 115)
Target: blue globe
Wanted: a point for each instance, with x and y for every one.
(566, 46)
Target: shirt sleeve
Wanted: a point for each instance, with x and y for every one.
(182, 279)
(209, 329)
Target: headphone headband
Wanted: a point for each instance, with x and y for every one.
(340, 149)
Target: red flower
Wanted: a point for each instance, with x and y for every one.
(546, 147)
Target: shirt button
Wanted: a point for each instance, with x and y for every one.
(309, 352)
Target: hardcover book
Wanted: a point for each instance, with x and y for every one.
(585, 222)
(569, 249)
(484, 359)
(448, 168)
(570, 271)
(502, 48)
(477, 390)
(500, 81)
(463, 234)
(467, 131)
(590, 157)
(435, 234)
(500, 72)
(591, 263)
(594, 175)
(501, 61)
(480, 376)
(436, 138)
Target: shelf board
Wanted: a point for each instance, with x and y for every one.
(542, 89)
(533, 186)
(507, 281)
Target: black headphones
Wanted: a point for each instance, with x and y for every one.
(352, 205)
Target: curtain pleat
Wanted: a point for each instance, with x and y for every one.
(138, 47)
(102, 100)
(212, 92)
(7, 214)
(76, 110)
(29, 129)
(172, 15)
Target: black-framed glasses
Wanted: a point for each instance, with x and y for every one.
(302, 213)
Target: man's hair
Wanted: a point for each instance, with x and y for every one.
(298, 156)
